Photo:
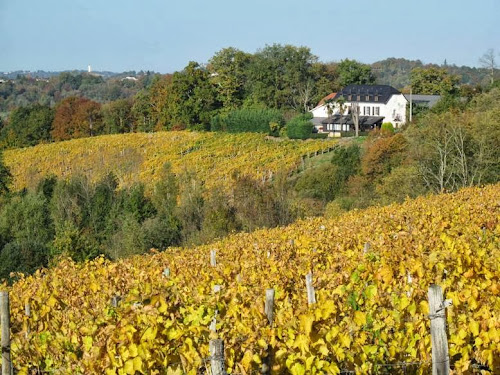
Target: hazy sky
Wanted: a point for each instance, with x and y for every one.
(120, 35)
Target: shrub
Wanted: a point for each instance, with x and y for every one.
(387, 127)
(300, 127)
(267, 121)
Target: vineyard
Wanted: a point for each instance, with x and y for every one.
(139, 157)
(370, 269)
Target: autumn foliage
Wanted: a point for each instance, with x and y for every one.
(76, 118)
(371, 308)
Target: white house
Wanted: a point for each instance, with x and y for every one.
(376, 104)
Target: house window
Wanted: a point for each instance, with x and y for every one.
(338, 127)
(367, 98)
(376, 98)
(376, 111)
(366, 111)
(349, 97)
(358, 98)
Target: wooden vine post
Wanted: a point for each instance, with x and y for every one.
(27, 312)
(269, 311)
(216, 347)
(439, 340)
(213, 261)
(311, 296)
(269, 306)
(5, 323)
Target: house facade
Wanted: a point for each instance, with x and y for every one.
(375, 104)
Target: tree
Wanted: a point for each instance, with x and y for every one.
(352, 72)
(192, 99)
(28, 126)
(325, 76)
(5, 177)
(355, 117)
(75, 118)
(191, 206)
(117, 117)
(141, 111)
(488, 62)
(282, 77)
(158, 103)
(164, 229)
(433, 81)
(219, 216)
(229, 70)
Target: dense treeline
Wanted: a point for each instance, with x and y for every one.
(283, 78)
(79, 219)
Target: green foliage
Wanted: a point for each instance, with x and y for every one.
(219, 217)
(5, 177)
(191, 206)
(433, 81)
(46, 186)
(387, 127)
(300, 127)
(447, 103)
(456, 149)
(118, 117)
(329, 180)
(229, 68)
(27, 126)
(347, 160)
(191, 99)
(250, 120)
(401, 183)
(25, 257)
(135, 203)
(281, 77)
(141, 112)
(352, 72)
(319, 183)
(26, 219)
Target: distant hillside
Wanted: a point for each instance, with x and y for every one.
(396, 72)
(140, 156)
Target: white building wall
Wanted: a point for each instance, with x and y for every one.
(393, 111)
(322, 110)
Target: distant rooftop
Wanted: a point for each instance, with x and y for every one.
(425, 100)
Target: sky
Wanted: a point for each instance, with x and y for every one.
(164, 35)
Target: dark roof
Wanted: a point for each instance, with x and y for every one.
(363, 120)
(424, 100)
(382, 92)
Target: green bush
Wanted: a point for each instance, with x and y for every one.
(300, 127)
(268, 121)
(387, 127)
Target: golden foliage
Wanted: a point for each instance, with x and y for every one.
(139, 157)
(372, 300)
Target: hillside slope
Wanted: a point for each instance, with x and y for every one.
(139, 157)
(371, 305)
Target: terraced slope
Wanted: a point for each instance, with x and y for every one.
(140, 156)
